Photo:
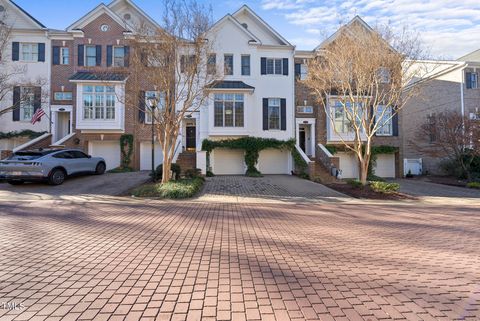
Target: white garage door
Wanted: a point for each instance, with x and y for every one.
(228, 162)
(385, 166)
(273, 161)
(146, 155)
(109, 150)
(348, 165)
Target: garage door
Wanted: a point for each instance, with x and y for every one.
(228, 162)
(109, 150)
(273, 161)
(348, 165)
(146, 155)
(385, 166)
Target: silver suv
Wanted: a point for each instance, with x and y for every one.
(51, 165)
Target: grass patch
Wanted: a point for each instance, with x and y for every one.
(183, 188)
(121, 170)
(473, 185)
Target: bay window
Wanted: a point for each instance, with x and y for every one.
(98, 102)
(228, 110)
(344, 114)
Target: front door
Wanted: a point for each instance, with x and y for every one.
(63, 125)
(301, 139)
(191, 138)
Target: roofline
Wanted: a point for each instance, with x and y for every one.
(134, 5)
(28, 15)
(237, 23)
(100, 6)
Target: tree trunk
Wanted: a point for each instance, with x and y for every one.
(167, 161)
(363, 172)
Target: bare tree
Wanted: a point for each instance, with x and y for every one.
(174, 61)
(451, 136)
(367, 72)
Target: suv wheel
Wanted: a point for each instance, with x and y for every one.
(100, 169)
(57, 177)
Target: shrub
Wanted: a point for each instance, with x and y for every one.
(253, 172)
(354, 183)
(210, 174)
(175, 168)
(183, 188)
(473, 185)
(192, 172)
(384, 187)
(373, 177)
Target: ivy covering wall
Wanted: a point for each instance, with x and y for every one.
(126, 148)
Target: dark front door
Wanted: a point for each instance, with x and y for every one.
(191, 138)
(301, 138)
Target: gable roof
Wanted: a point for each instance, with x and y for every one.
(112, 4)
(27, 15)
(262, 22)
(472, 56)
(93, 14)
(229, 17)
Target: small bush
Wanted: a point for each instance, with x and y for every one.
(210, 174)
(183, 188)
(354, 183)
(175, 168)
(384, 187)
(372, 177)
(192, 172)
(253, 173)
(475, 185)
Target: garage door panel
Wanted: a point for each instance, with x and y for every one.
(228, 162)
(273, 161)
(109, 150)
(385, 165)
(348, 165)
(146, 155)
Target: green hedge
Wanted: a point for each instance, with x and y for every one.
(473, 185)
(384, 187)
(183, 188)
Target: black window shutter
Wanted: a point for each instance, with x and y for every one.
(15, 51)
(109, 56)
(285, 66)
(283, 114)
(263, 66)
(126, 61)
(469, 80)
(16, 104)
(81, 55)
(98, 55)
(395, 121)
(37, 98)
(141, 106)
(41, 52)
(56, 55)
(298, 70)
(265, 113)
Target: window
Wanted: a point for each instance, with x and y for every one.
(90, 56)
(471, 80)
(383, 75)
(64, 56)
(385, 121)
(274, 66)
(148, 110)
(29, 51)
(305, 109)
(78, 154)
(62, 95)
(228, 64)
(228, 110)
(303, 71)
(187, 62)
(274, 113)
(118, 56)
(342, 121)
(27, 103)
(432, 124)
(212, 64)
(98, 102)
(245, 65)
(64, 155)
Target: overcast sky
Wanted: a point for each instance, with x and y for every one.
(448, 28)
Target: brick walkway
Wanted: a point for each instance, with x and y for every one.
(198, 261)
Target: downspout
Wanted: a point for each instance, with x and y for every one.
(462, 98)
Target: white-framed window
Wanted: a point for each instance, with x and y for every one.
(98, 102)
(384, 76)
(228, 64)
(274, 113)
(161, 104)
(64, 56)
(343, 112)
(303, 71)
(471, 80)
(305, 109)
(229, 110)
(118, 56)
(212, 64)
(27, 95)
(62, 95)
(274, 66)
(29, 51)
(245, 65)
(385, 121)
(90, 56)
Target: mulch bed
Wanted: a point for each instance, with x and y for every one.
(446, 180)
(367, 193)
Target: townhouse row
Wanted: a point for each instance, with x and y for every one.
(76, 75)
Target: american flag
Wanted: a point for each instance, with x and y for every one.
(37, 115)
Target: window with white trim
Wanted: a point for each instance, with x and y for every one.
(118, 56)
(90, 56)
(305, 109)
(148, 110)
(384, 76)
(383, 117)
(274, 113)
(274, 66)
(29, 51)
(303, 71)
(62, 95)
(343, 112)
(27, 103)
(64, 56)
(228, 110)
(98, 102)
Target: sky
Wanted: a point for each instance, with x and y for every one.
(448, 29)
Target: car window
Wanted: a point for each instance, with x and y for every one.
(78, 154)
(64, 155)
(25, 156)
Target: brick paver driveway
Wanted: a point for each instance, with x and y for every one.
(428, 190)
(127, 260)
